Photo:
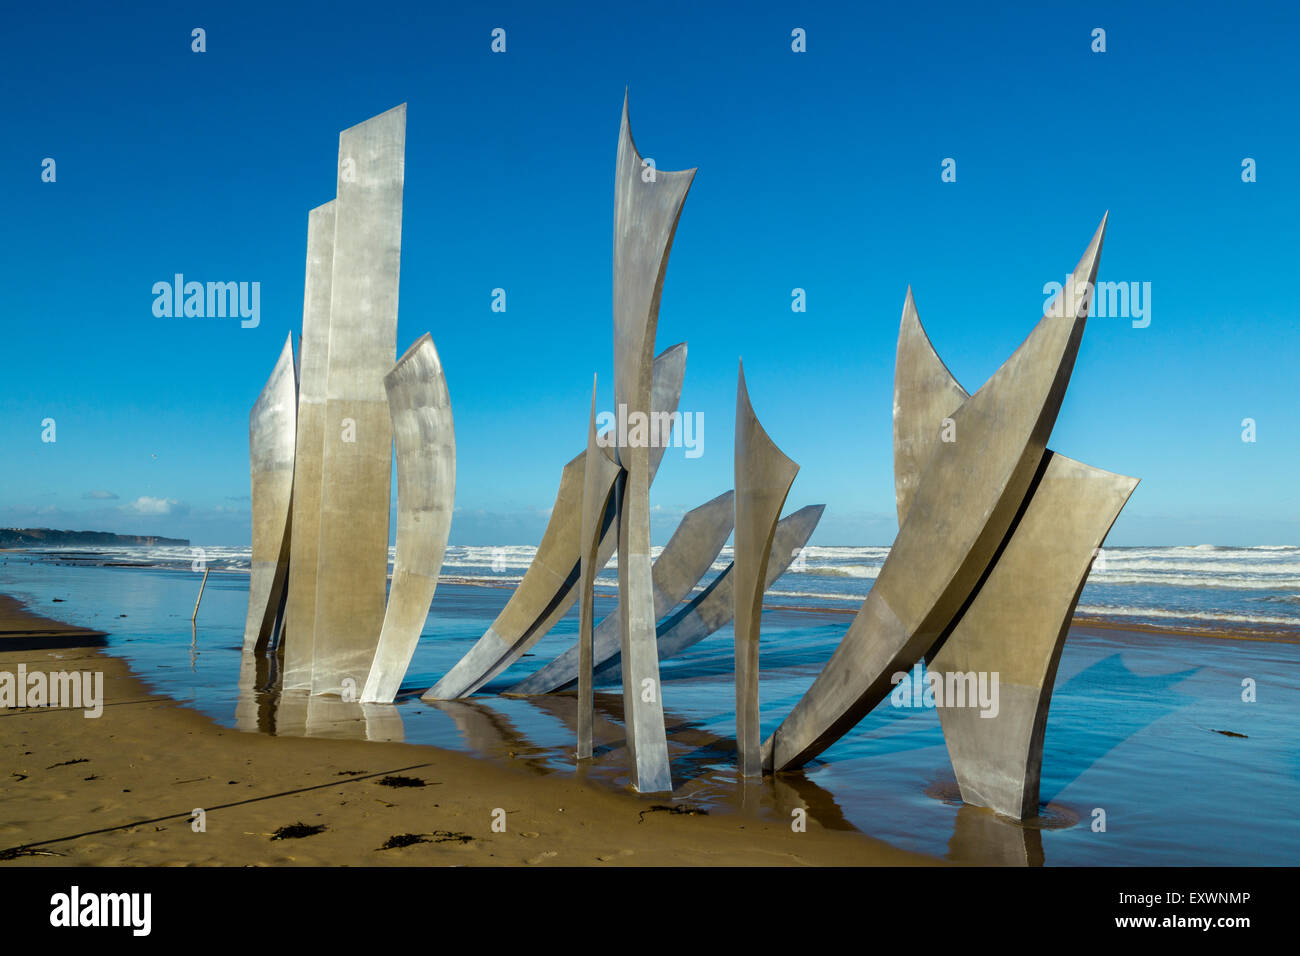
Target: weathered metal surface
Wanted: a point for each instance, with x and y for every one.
(357, 450)
(960, 512)
(599, 477)
(763, 478)
(550, 585)
(687, 556)
(299, 639)
(1018, 621)
(420, 409)
(646, 211)
(271, 428)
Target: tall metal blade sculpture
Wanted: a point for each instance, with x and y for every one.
(961, 511)
(763, 479)
(357, 452)
(549, 587)
(685, 559)
(299, 639)
(600, 475)
(271, 426)
(1018, 621)
(1016, 628)
(425, 435)
(716, 605)
(646, 211)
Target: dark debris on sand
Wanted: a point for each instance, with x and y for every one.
(400, 840)
(396, 780)
(296, 831)
(681, 810)
(14, 853)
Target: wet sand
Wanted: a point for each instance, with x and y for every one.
(122, 789)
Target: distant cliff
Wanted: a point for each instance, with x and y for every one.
(49, 538)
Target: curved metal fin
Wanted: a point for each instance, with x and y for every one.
(550, 585)
(647, 206)
(1000, 660)
(961, 511)
(1014, 629)
(925, 397)
(597, 490)
(687, 557)
(425, 435)
(715, 606)
(763, 478)
(272, 427)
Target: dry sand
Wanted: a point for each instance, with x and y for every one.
(121, 789)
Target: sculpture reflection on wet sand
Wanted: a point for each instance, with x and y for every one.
(996, 532)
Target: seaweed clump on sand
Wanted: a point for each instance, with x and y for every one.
(396, 780)
(399, 840)
(679, 810)
(296, 831)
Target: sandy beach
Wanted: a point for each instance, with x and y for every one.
(122, 789)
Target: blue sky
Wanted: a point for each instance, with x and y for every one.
(817, 170)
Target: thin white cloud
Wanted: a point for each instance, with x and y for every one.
(100, 495)
(145, 505)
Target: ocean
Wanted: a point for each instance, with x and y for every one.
(1135, 742)
(1197, 588)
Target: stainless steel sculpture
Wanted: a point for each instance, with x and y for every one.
(1016, 628)
(997, 533)
(420, 409)
(357, 453)
(646, 211)
(299, 637)
(709, 610)
(763, 479)
(600, 475)
(963, 505)
(685, 559)
(715, 606)
(271, 428)
(549, 587)
(1018, 621)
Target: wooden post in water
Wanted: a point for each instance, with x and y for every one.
(200, 597)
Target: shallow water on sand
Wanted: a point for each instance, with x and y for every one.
(1134, 731)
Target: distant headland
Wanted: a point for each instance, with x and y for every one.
(49, 538)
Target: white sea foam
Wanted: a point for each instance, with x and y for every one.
(1224, 585)
(1215, 617)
